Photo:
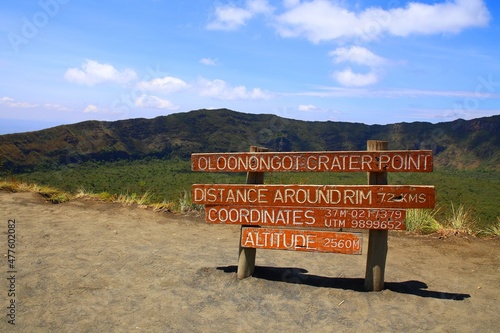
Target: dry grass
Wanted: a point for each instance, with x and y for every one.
(134, 198)
(493, 230)
(57, 196)
(15, 186)
(164, 206)
(461, 220)
(186, 205)
(422, 220)
(51, 194)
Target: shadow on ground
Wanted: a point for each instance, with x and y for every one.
(300, 276)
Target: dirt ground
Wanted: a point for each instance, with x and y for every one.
(87, 266)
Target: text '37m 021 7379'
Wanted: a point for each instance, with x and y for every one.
(267, 212)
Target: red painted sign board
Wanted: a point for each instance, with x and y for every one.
(347, 196)
(301, 240)
(308, 217)
(340, 161)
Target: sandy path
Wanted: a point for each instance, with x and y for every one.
(86, 266)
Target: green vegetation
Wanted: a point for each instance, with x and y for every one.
(153, 180)
(422, 220)
(467, 200)
(145, 161)
(462, 219)
(493, 230)
(51, 194)
(459, 220)
(460, 144)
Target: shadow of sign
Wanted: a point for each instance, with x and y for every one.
(299, 276)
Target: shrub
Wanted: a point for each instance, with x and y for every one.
(461, 219)
(493, 230)
(54, 195)
(134, 198)
(186, 205)
(422, 220)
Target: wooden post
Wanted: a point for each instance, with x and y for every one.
(246, 259)
(377, 240)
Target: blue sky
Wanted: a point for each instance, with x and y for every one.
(375, 62)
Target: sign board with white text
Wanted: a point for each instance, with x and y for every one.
(308, 217)
(342, 161)
(302, 240)
(303, 217)
(335, 196)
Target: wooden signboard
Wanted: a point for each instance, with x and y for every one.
(270, 215)
(342, 161)
(310, 217)
(301, 240)
(351, 196)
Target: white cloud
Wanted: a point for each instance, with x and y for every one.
(333, 20)
(92, 72)
(91, 108)
(149, 101)
(308, 107)
(290, 3)
(167, 84)
(350, 79)
(259, 6)
(361, 56)
(208, 61)
(323, 20)
(316, 20)
(221, 90)
(56, 107)
(231, 17)
(394, 93)
(446, 17)
(358, 55)
(11, 102)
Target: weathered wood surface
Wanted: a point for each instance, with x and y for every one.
(302, 240)
(246, 256)
(339, 161)
(348, 196)
(310, 217)
(377, 239)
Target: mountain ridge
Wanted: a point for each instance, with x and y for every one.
(460, 144)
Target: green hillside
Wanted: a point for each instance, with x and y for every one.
(460, 144)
